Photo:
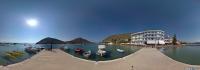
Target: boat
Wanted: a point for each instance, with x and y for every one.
(120, 50)
(101, 46)
(79, 50)
(38, 49)
(31, 50)
(87, 54)
(101, 52)
(41, 48)
(65, 48)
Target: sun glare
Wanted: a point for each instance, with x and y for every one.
(32, 22)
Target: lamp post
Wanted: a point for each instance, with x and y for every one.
(51, 45)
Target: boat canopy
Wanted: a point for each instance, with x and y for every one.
(101, 46)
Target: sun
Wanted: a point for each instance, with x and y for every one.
(32, 22)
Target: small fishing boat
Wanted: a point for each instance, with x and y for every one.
(31, 50)
(38, 48)
(87, 54)
(120, 50)
(41, 48)
(64, 48)
(79, 50)
(67, 49)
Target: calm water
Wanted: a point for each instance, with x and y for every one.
(185, 54)
(93, 47)
(8, 48)
(112, 53)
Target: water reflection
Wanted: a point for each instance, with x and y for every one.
(185, 54)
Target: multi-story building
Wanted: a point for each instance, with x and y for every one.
(168, 39)
(148, 37)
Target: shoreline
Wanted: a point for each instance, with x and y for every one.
(34, 56)
(18, 63)
(124, 60)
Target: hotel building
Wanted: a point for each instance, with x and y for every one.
(148, 37)
(168, 40)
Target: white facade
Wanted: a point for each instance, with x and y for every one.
(168, 39)
(148, 37)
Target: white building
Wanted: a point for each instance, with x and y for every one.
(168, 39)
(148, 37)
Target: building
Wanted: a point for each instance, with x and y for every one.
(148, 37)
(168, 39)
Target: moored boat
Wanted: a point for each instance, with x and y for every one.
(87, 54)
(101, 47)
(31, 50)
(79, 50)
(120, 50)
(65, 48)
(101, 50)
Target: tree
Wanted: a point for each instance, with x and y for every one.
(174, 40)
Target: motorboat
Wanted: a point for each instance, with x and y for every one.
(87, 54)
(120, 50)
(101, 47)
(79, 50)
(39, 48)
(101, 50)
(65, 48)
(31, 50)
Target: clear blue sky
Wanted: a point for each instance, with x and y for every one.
(97, 19)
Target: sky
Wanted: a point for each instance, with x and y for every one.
(97, 19)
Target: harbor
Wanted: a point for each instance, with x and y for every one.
(88, 51)
(185, 54)
(144, 59)
(99, 35)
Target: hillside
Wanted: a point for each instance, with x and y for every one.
(49, 40)
(118, 38)
(79, 41)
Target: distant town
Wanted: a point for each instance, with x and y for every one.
(148, 37)
(143, 38)
(119, 47)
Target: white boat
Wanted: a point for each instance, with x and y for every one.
(120, 50)
(101, 51)
(66, 47)
(101, 46)
(87, 54)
